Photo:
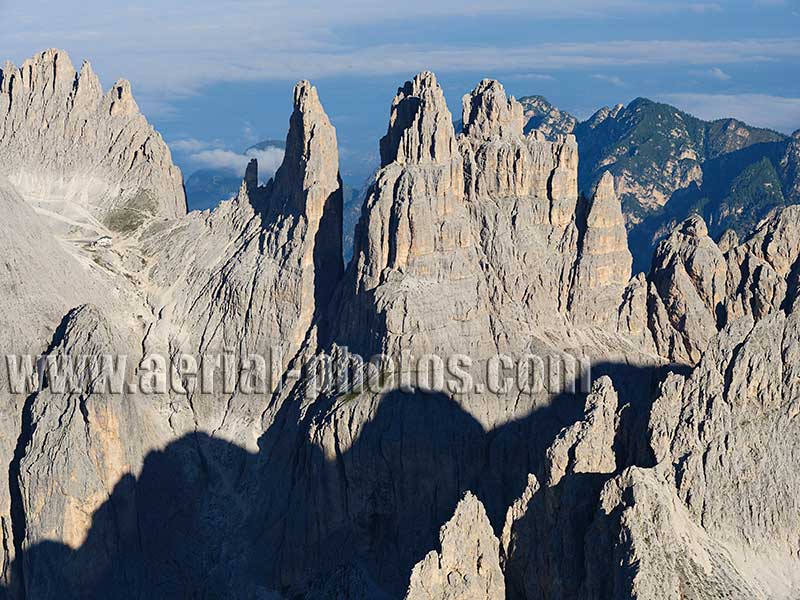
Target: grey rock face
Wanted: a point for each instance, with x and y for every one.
(74, 450)
(278, 267)
(587, 445)
(246, 277)
(604, 262)
(88, 159)
(490, 219)
(42, 279)
(688, 284)
(468, 565)
(644, 544)
(487, 114)
(709, 520)
(472, 249)
(727, 434)
(543, 536)
(695, 288)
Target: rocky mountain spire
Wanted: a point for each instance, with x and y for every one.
(419, 154)
(281, 247)
(90, 158)
(309, 181)
(487, 114)
(604, 261)
(672, 483)
(468, 565)
(308, 175)
(420, 124)
(688, 281)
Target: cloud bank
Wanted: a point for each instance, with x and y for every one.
(189, 45)
(761, 110)
(208, 155)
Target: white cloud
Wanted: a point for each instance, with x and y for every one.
(762, 110)
(189, 145)
(719, 74)
(612, 79)
(190, 44)
(530, 77)
(235, 163)
(712, 73)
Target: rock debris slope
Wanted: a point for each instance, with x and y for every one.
(674, 475)
(85, 158)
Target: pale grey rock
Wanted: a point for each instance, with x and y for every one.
(75, 447)
(87, 159)
(512, 536)
(490, 221)
(604, 261)
(253, 275)
(468, 564)
(587, 446)
(543, 535)
(716, 517)
(42, 279)
(633, 315)
(728, 241)
(688, 284)
(487, 114)
(728, 434)
(475, 244)
(418, 132)
(762, 270)
(696, 288)
(645, 545)
(462, 249)
(250, 275)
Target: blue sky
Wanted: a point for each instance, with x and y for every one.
(216, 77)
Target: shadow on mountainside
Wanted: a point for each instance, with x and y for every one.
(716, 199)
(309, 514)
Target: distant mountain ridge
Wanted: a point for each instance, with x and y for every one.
(668, 164)
(545, 117)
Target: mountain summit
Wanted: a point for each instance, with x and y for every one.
(88, 159)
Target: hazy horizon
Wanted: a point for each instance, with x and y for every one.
(214, 80)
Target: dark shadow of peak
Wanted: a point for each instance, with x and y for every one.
(172, 532)
(343, 502)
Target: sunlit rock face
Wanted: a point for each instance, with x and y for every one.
(84, 157)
